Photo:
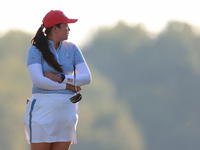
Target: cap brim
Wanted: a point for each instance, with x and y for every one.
(71, 21)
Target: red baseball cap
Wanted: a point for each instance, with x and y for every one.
(55, 17)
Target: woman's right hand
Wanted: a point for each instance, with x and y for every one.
(72, 88)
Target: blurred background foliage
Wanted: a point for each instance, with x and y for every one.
(144, 94)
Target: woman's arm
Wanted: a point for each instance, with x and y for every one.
(83, 76)
(40, 81)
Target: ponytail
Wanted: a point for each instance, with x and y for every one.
(41, 42)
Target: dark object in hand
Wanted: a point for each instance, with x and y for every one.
(76, 98)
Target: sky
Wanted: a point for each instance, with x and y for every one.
(27, 15)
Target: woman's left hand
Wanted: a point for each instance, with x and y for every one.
(52, 76)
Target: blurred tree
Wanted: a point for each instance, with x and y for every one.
(16, 87)
(158, 79)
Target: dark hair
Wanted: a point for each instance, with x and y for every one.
(41, 42)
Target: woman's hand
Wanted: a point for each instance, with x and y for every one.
(52, 76)
(72, 88)
(56, 78)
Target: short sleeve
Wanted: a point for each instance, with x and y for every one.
(78, 55)
(34, 56)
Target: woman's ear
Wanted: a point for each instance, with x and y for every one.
(54, 28)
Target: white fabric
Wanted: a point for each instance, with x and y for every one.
(40, 81)
(51, 118)
(83, 77)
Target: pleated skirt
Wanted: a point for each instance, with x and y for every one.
(51, 118)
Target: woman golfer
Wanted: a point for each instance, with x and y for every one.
(50, 117)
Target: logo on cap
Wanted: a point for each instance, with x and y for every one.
(64, 15)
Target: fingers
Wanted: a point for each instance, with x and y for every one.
(72, 88)
(52, 76)
(79, 88)
(48, 74)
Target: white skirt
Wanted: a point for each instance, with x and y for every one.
(51, 118)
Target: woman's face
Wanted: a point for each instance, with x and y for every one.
(63, 31)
